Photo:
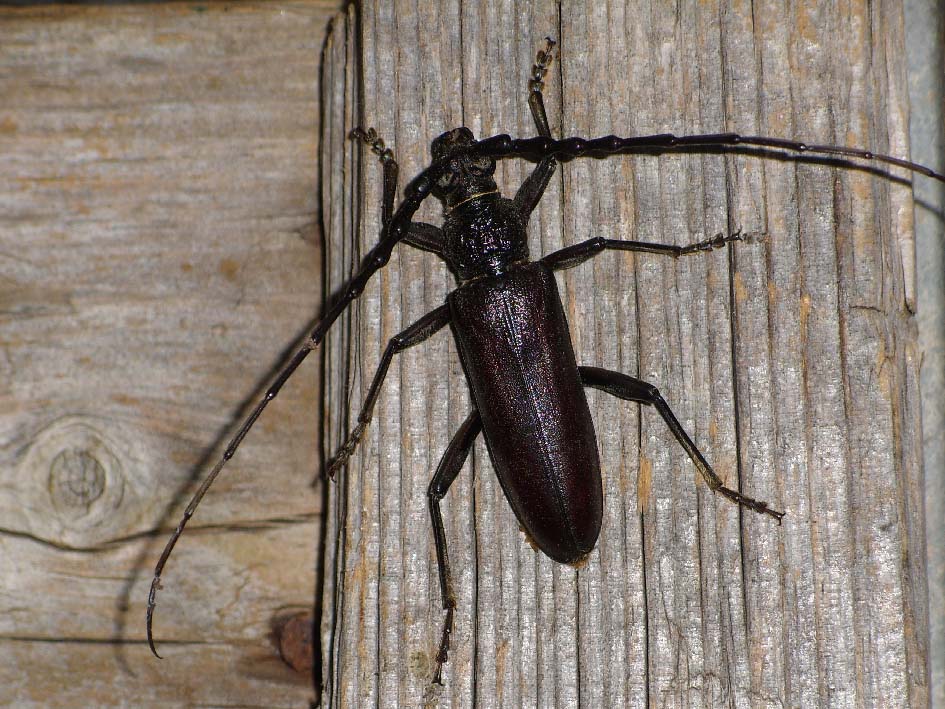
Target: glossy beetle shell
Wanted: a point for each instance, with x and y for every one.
(516, 349)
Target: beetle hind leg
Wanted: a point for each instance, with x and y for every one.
(449, 467)
(626, 387)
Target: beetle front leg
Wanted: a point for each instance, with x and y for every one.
(415, 334)
(536, 84)
(419, 235)
(531, 190)
(449, 467)
(626, 387)
(571, 256)
(391, 169)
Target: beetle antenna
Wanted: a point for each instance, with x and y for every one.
(394, 231)
(247, 424)
(503, 146)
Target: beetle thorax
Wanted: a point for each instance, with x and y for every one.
(484, 237)
(484, 233)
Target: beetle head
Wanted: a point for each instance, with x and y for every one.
(466, 174)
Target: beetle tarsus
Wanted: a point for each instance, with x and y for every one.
(536, 85)
(750, 503)
(720, 240)
(542, 61)
(443, 654)
(371, 138)
(341, 457)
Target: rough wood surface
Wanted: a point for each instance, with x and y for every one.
(792, 363)
(925, 47)
(159, 251)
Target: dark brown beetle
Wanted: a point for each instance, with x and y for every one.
(511, 331)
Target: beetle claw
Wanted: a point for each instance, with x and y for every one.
(341, 457)
(443, 654)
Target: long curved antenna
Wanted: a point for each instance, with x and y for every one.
(393, 231)
(502, 146)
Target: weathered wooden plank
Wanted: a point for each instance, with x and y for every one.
(160, 251)
(925, 48)
(792, 362)
(94, 675)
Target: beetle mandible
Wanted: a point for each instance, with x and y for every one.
(511, 332)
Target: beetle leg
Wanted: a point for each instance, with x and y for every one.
(571, 256)
(530, 191)
(415, 334)
(626, 387)
(536, 101)
(419, 235)
(391, 169)
(449, 467)
(425, 237)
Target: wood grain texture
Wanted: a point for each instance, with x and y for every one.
(925, 48)
(160, 252)
(793, 364)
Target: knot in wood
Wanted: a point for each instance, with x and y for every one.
(74, 484)
(76, 479)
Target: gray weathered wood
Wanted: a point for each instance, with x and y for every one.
(925, 49)
(160, 250)
(793, 364)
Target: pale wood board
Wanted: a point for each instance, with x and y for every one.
(925, 47)
(159, 252)
(793, 364)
